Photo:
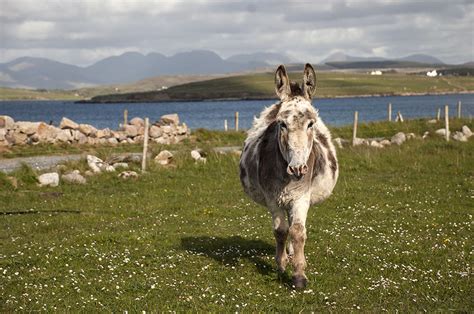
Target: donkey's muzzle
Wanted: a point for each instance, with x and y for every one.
(297, 171)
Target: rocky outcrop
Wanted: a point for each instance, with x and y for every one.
(166, 130)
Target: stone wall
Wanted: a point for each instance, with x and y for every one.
(166, 130)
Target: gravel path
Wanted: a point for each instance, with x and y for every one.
(46, 162)
(36, 162)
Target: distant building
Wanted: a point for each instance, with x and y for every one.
(432, 73)
(377, 72)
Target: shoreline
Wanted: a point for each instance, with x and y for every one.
(90, 101)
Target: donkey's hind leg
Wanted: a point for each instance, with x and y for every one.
(280, 230)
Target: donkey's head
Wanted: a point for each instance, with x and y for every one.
(296, 119)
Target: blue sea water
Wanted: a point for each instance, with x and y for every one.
(211, 114)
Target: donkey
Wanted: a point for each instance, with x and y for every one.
(288, 164)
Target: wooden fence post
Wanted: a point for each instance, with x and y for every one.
(225, 125)
(438, 114)
(125, 117)
(145, 145)
(390, 111)
(459, 109)
(236, 120)
(446, 121)
(354, 130)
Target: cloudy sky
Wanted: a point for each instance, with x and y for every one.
(82, 32)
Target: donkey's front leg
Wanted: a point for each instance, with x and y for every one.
(280, 230)
(297, 232)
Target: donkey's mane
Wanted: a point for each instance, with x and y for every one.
(260, 124)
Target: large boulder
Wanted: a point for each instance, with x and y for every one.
(105, 133)
(87, 129)
(49, 179)
(64, 136)
(97, 165)
(155, 131)
(3, 133)
(68, 124)
(164, 158)
(47, 133)
(27, 127)
(138, 122)
(18, 138)
(168, 119)
(459, 136)
(130, 130)
(441, 132)
(74, 177)
(6, 122)
(398, 138)
(466, 131)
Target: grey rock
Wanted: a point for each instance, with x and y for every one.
(74, 178)
(398, 138)
(6, 122)
(64, 136)
(168, 119)
(68, 124)
(137, 122)
(120, 165)
(459, 136)
(466, 131)
(164, 158)
(130, 130)
(105, 133)
(376, 144)
(128, 175)
(49, 179)
(155, 131)
(87, 129)
(26, 127)
(441, 132)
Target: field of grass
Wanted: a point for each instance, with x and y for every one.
(253, 86)
(395, 236)
(30, 94)
(329, 84)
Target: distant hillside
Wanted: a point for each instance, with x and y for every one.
(261, 86)
(386, 64)
(27, 72)
(340, 57)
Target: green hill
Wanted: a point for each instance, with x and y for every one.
(330, 84)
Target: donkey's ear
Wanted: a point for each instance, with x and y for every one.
(309, 81)
(282, 83)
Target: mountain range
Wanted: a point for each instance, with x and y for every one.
(29, 72)
(42, 73)
(419, 58)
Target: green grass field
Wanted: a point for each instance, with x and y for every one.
(30, 94)
(395, 236)
(329, 84)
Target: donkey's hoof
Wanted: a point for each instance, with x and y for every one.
(300, 281)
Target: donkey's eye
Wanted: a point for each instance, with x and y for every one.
(310, 125)
(283, 125)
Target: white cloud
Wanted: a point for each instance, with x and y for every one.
(80, 31)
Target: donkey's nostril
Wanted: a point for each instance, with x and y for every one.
(290, 170)
(304, 169)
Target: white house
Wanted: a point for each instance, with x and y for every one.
(432, 73)
(377, 72)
